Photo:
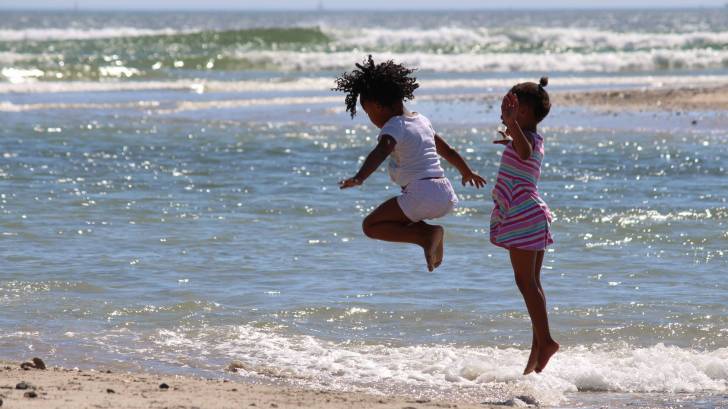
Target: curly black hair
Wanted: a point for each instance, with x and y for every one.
(386, 83)
(535, 96)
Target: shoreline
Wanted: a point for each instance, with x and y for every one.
(101, 388)
(677, 98)
(673, 98)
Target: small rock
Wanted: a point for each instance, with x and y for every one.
(22, 386)
(39, 364)
(694, 122)
(109, 390)
(108, 371)
(1, 402)
(422, 401)
(514, 402)
(30, 394)
(273, 405)
(27, 366)
(234, 389)
(528, 399)
(163, 386)
(235, 365)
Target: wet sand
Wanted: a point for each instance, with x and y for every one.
(696, 98)
(71, 388)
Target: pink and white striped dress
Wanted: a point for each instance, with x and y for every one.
(520, 218)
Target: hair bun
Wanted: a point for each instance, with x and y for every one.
(544, 81)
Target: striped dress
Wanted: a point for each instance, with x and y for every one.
(520, 218)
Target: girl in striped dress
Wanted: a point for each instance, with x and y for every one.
(521, 220)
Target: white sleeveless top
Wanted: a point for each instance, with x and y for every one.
(415, 155)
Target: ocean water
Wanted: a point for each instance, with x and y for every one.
(169, 202)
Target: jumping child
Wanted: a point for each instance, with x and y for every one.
(415, 165)
(520, 220)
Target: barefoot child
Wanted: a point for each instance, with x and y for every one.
(415, 165)
(520, 219)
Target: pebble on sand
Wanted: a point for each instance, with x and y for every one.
(36, 364)
(109, 390)
(163, 386)
(30, 394)
(22, 386)
(39, 364)
(235, 365)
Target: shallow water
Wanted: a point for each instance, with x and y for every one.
(181, 220)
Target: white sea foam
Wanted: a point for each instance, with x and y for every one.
(9, 57)
(19, 75)
(437, 39)
(647, 60)
(89, 86)
(38, 34)
(11, 107)
(323, 84)
(615, 368)
(474, 39)
(459, 49)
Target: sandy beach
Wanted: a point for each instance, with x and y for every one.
(699, 98)
(57, 387)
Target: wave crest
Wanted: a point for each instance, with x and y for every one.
(602, 368)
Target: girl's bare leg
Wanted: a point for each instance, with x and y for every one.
(387, 222)
(524, 268)
(533, 356)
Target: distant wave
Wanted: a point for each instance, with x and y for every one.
(169, 35)
(126, 52)
(437, 40)
(323, 84)
(47, 34)
(530, 39)
(293, 61)
(653, 60)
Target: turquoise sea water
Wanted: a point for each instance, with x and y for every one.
(169, 202)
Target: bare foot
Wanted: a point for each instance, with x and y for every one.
(532, 359)
(430, 247)
(440, 253)
(545, 353)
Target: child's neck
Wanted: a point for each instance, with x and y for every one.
(397, 110)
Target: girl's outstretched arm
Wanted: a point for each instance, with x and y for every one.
(372, 162)
(452, 156)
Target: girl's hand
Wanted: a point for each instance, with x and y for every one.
(509, 108)
(351, 182)
(505, 138)
(474, 179)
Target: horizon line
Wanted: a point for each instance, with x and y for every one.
(328, 9)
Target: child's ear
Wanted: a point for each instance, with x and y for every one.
(524, 110)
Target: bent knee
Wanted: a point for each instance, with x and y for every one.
(367, 227)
